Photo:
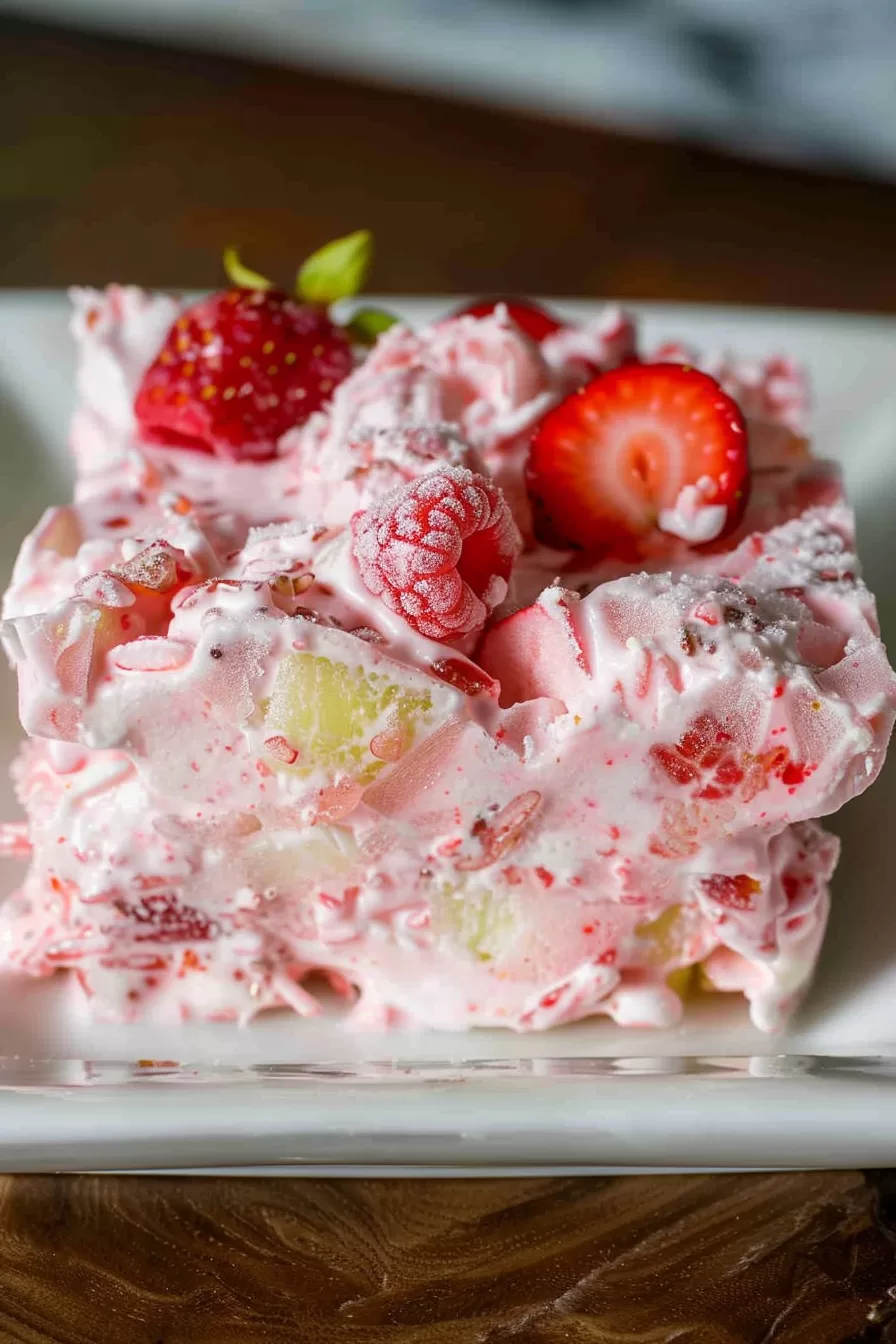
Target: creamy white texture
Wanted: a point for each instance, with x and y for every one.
(245, 767)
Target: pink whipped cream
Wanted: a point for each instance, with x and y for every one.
(244, 768)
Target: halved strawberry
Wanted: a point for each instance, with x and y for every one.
(631, 451)
(530, 317)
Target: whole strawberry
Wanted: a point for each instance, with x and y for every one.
(240, 368)
(533, 319)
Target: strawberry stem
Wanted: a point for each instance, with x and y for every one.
(337, 270)
(241, 276)
(369, 323)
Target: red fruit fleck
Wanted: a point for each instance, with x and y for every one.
(163, 919)
(531, 318)
(794, 774)
(705, 613)
(735, 893)
(237, 370)
(791, 885)
(704, 740)
(703, 747)
(679, 770)
(438, 551)
(545, 876)
(728, 772)
(609, 458)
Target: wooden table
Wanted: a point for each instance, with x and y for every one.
(135, 163)
(806, 1259)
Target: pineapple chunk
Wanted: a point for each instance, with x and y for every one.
(662, 938)
(683, 982)
(283, 859)
(475, 918)
(330, 715)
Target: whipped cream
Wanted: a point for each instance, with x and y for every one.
(244, 767)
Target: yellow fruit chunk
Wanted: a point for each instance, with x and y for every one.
(663, 938)
(477, 919)
(683, 981)
(282, 860)
(329, 714)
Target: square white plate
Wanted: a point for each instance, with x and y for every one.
(308, 1095)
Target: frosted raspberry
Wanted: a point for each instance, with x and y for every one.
(439, 551)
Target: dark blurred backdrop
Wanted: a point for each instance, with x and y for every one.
(700, 149)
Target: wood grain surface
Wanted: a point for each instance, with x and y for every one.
(128, 162)
(806, 1259)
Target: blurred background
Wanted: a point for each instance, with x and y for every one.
(740, 150)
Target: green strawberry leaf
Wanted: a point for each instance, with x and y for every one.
(240, 275)
(337, 270)
(369, 323)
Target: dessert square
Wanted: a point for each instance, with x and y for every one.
(495, 673)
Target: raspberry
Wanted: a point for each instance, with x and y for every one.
(438, 551)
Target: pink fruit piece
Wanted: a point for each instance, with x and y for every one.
(281, 749)
(537, 652)
(338, 800)
(464, 676)
(390, 744)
